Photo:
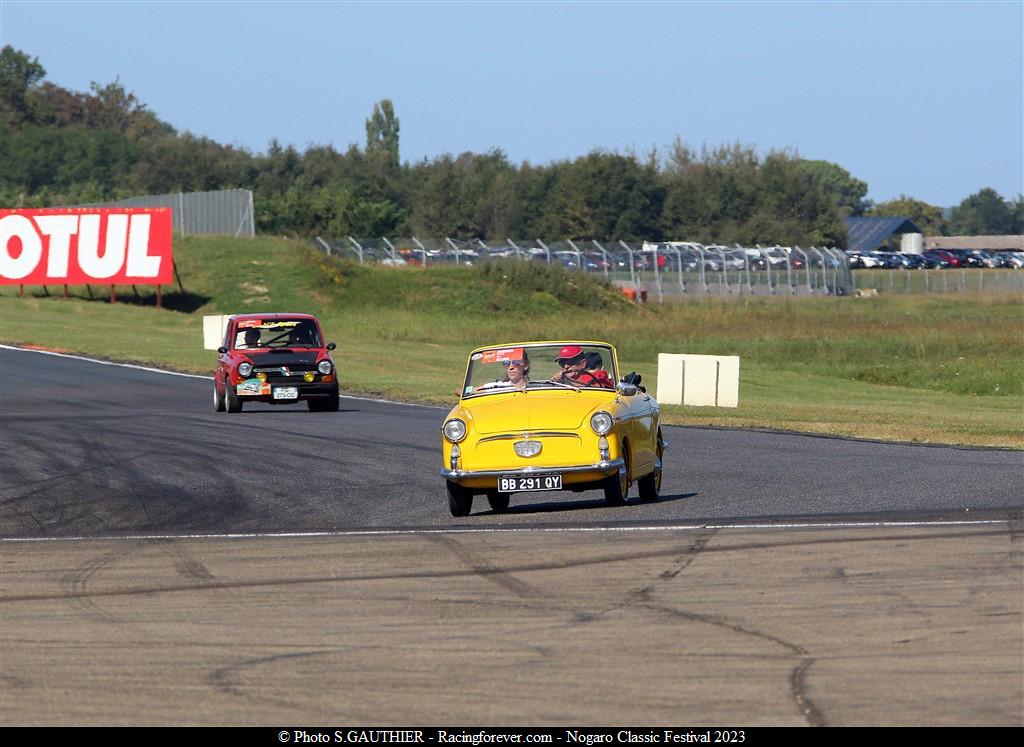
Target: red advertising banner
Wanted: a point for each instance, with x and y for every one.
(76, 246)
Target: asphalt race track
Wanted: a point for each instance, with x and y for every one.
(166, 564)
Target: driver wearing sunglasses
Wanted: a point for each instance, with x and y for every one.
(517, 371)
(516, 375)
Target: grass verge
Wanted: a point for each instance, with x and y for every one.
(940, 369)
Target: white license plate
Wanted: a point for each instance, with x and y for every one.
(286, 392)
(528, 483)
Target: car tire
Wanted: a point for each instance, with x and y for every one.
(460, 500)
(499, 502)
(616, 487)
(234, 404)
(218, 399)
(649, 486)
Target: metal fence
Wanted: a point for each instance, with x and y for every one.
(655, 271)
(952, 280)
(227, 212)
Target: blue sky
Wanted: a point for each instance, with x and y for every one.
(917, 98)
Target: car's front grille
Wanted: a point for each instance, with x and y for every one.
(529, 434)
(278, 379)
(291, 374)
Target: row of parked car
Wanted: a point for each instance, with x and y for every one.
(935, 259)
(674, 257)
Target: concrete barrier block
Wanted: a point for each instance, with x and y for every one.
(728, 381)
(698, 380)
(670, 379)
(214, 327)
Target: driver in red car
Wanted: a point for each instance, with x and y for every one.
(252, 338)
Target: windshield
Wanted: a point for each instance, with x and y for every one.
(553, 366)
(276, 333)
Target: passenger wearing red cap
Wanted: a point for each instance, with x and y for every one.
(574, 372)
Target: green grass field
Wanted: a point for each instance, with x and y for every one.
(933, 368)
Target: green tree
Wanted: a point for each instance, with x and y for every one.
(20, 76)
(1018, 215)
(435, 211)
(983, 213)
(803, 212)
(926, 217)
(710, 195)
(382, 132)
(848, 194)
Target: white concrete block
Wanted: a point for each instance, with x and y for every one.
(670, 379)
(728, 381)
(214, 327)
(699, 380)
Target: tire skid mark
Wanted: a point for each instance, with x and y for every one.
(187, 565)
(797, 683)
(642, 595)
(696, 547)
(798, 687)
(482, 567)
(223, 679)
(522, 568)
(77, 582)
(1015, 529)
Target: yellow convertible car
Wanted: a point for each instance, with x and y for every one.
(538, 416)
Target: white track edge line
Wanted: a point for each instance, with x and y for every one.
(188, 375)
(510, 530)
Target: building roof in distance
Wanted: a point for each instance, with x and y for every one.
(867, 234)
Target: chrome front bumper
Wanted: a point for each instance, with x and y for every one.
(602, 466)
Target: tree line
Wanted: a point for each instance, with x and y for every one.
(61, 147)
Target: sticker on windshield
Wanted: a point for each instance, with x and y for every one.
(502, 354)
(476, 356)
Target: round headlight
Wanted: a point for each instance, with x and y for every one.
(244, 368)
(324, 366)
(601, 422)
(454, 430)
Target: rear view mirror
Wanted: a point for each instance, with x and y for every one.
(222, 349)
(331, 346)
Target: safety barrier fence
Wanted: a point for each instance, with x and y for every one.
(227, 212)
(657, 271)
(955, 280)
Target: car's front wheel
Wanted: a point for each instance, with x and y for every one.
(460, 500)
(616, 487)
(234, 404)
(218, 399)
(499, 502)
(650, 485)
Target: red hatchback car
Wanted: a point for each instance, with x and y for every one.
(276, 358)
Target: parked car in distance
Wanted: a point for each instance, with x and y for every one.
(1012, 260)
(951, 260)
(275, 358)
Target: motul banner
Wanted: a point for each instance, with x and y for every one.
(75, 246)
